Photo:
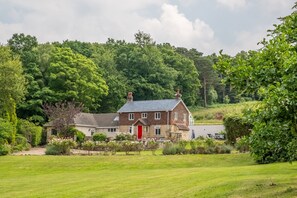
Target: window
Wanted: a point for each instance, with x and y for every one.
(185, 117)
(131, 130)
(131, 116)
(54, 132)
(175, 115)
(157, 130)
(157, 116)
(112, 130)
(144, 115)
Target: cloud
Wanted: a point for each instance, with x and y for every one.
(173, 27)
(232, 4)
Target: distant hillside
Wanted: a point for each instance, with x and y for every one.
(214, 114)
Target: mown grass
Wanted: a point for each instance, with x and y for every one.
(208, 115)
(234, 175)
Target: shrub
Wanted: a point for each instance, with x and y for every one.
(58, 146)
(88, 145)
(236, 127)
(152, 146)
(113, 147)
(5, 149)
(169, 149)
(123, 137)
(242, 144)
(21, 143)
(80, 137)
(30, 131)
(128, 146)
(99, 137)
(6, 131)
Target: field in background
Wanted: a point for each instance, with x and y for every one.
(214, 114)
(145, 175)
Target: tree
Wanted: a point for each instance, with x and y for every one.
(72, 76)
(61, 115)
(12, 86)
(272, 71)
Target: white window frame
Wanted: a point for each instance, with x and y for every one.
(131, 129)
(143, 115)
(111, 130)
(175, 115)
(185, 117)
(157, 130)
(131, 116)
(157, 115)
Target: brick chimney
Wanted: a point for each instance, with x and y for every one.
(178, 95)
(130, 97)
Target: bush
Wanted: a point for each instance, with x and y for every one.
(6, 131)
(242, 144)
(128, 146)
(58, 146)
(113, 147)
(21, 143)
(236, 127)
(169, 149)
(5, 149)
(123, 137)
(152, 146)
(99, 137)
(88, 145)
(30, 131)
(80, 137)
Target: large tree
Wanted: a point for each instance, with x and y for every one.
(12, 85)
(271, 70)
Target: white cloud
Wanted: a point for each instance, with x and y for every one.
(232, 4)
(173, 27)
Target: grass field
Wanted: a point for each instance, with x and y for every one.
(208, 115)
(145, 175)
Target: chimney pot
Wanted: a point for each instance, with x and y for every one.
(130, 97)
(178, 95)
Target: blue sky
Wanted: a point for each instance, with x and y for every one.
(207, 25)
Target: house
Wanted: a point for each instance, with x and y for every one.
(160, 119)
(90, 124)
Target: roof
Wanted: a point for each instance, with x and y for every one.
(149, 105)
(96, 120)
(182, 127)
(101, 120)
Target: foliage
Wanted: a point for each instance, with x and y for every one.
(61, 116)
(242, 144)
(5, 149)
(88, 145)
(30, 131)
(271, 72)
(236, 126)
(80, 136)
(58, 146)
(129, 146)
(152, 145)
(99, 137)
(123, 136)
(6, 131)
(21, 143)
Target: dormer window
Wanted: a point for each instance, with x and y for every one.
(144, 115)
(158, 116)
(131, 116)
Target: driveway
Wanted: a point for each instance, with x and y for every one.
(32, 151)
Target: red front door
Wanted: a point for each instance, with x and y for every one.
(139, 132)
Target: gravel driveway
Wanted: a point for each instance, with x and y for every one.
(32, 151)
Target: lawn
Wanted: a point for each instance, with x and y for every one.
(145, 175)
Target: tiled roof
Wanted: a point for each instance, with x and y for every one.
(149, 105)
(100, 120)
(96, 120)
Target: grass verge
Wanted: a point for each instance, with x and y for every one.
(234, 175)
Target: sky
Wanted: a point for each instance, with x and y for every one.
(207, 25)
